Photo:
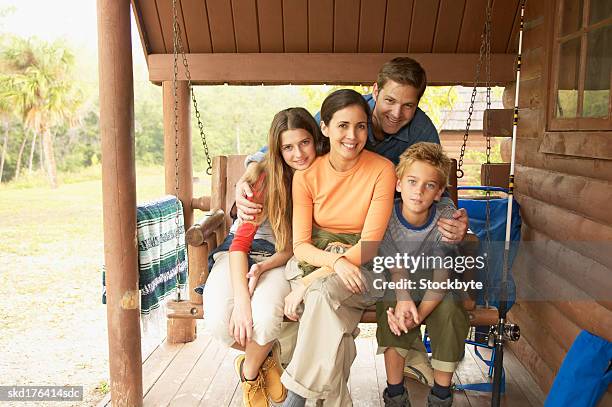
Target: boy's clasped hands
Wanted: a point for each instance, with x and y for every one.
(404, 317)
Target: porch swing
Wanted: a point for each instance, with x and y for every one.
(206, 234)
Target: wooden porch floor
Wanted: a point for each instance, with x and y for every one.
(201, 373)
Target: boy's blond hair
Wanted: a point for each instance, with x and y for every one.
(431, 153)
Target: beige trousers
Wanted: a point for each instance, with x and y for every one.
(267, 303)
(325, 347)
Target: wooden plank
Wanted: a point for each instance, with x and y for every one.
(472, 26)
(221, 27)
(572, 302)
(423, 26)
(523, 379)
(170, 381)
(513, 396)
(460, 399)
(468, 372)
(530, 359)
(567, 191)
(270, 16)
(346, 25)
(157, 363)
(502, 20)
(545, 313)
(195, 16)
(497, 122)
(372, 26)
(320, 25)
(146, 47)
(363, 384)
(397, 25)
(588, 144)
(195, 386)
(164, 9)
(222, 388)
(448, 26)
(151, 27)
(543, 340)
(585, 273)
(527, 155)
(245, 30)
(574, 228)
(317, 68)
(295, 25)
(495, 174)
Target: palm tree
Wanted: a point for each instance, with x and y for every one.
(44, 91)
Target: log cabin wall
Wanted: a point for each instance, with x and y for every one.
(563, 195)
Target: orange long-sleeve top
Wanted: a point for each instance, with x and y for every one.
(359, 200)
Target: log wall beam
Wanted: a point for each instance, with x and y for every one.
(319, 68)
(119, 201)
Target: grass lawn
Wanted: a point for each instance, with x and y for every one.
(52, 321)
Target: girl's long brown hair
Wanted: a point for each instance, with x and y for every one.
(278, 205)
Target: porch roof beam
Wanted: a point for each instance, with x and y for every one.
(319, 68)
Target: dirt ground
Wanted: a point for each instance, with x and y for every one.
(52, 322)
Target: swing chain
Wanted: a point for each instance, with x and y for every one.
(179, 48)
(485, 47)
(487, 41)
(176, 151)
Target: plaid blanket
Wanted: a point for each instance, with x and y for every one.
(157, 257)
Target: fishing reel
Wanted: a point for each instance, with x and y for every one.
(485, 335)
(511, 332)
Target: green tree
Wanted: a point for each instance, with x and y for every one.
(44, 91)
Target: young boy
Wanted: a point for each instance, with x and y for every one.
(422, 175)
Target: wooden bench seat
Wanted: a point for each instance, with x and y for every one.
(213, 228)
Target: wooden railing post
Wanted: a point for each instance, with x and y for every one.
(119, 201)
(183, 330)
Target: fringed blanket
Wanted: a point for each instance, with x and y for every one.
(157, 257)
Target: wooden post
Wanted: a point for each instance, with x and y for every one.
(183, 330)
(185, 171)
(119, 201)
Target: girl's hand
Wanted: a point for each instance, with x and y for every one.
(241, 321)
(293, 301)
(350, 275)
(253, 275)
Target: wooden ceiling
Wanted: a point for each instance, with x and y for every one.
(244, 38)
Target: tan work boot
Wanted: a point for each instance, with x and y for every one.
(253, 392)
(271, 371)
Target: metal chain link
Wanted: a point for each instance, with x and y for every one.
(177, 36)
(482, 51)
(176, 143)
(487, 41)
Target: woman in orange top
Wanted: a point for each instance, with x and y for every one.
(346, 194)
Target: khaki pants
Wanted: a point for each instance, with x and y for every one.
(325, 347)
(267, 303)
